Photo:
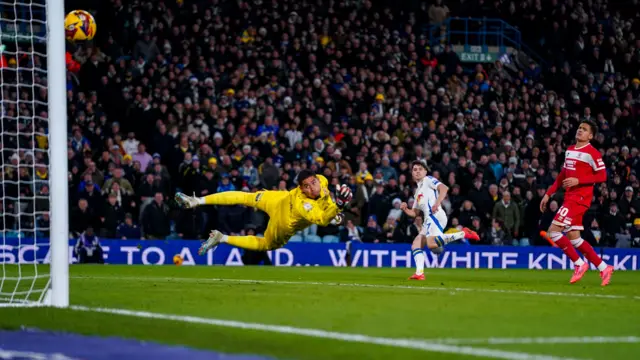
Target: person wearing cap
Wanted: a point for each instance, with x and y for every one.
(363, 173)
(289, 212)
(377, 108)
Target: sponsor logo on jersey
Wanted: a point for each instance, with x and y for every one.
(307, 206)
(570, 164)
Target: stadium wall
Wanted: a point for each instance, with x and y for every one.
(160, 252)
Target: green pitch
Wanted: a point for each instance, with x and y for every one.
(459, 307)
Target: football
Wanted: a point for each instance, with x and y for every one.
(79, 25)
(177, 259)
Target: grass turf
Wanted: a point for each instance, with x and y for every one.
(452, 303)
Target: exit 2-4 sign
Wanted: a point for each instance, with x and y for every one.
(478, 57)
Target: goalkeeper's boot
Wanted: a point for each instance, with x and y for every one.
(186, 201)
(215, 238)
(579, 272)
(417, 276)
(606, 275)
(470, 234)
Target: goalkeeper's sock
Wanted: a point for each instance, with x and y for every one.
(444, 239)
(418, 256)
(248, 242)
(229, 198)
(588, 251)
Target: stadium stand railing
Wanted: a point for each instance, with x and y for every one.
(481, 36)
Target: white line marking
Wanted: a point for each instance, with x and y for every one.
(544, 340)
(315, 333)
(375, 286)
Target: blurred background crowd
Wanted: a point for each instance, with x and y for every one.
(219, 95)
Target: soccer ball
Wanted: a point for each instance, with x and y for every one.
(177, 259)
(79, 25)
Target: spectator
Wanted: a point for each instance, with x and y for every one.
(613, 225)
(391, 232)
(395, 211)
(414, 229)
(593, 235)
(143, 157)
(372, 232)
(131, 145)
(635, 233)
(127, 229)
(250, 173)
(496, 235)
(83, 217)
(629, 205)
(43, 225)
(155, 218)
(112, 216)
(123, 184)
(509, 215)
(225, 184)
(351, 232)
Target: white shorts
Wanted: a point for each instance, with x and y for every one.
(434, 224)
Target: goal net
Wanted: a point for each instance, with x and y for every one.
(33, 168)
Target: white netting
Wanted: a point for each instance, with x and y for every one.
(24, 160)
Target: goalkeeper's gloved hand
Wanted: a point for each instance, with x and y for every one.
(343, 195)
(338, 220)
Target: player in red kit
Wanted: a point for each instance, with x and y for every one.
(583, 168)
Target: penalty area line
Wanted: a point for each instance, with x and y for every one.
(375, 286)
(330, 335)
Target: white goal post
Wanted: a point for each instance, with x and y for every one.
(34, 248)
(57, 80)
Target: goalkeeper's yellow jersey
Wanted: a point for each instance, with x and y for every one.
(304, 211)
(290, 212)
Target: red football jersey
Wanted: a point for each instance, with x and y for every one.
(585, 164)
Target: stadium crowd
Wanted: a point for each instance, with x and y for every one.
(212, 96)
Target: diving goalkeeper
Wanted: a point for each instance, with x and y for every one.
(289, 211)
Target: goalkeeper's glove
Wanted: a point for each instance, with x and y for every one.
(338, 220)
(343, 195)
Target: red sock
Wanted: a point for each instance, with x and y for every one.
(566, 246)
(590, 253)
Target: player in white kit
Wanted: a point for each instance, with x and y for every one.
(428, 199)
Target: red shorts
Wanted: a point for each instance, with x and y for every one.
(569, 215)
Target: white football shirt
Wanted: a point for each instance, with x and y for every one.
(426, 195)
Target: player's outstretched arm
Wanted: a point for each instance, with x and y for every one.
(318, 216)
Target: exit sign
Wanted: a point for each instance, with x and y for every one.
(478, 57)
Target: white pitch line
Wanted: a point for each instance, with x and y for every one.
(375, 286)
(322, 334)
(543, 340)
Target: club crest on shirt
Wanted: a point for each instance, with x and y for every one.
(420, 196)
(307, 206)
